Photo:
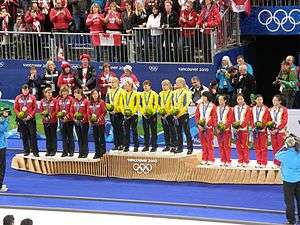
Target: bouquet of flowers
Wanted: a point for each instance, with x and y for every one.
(45, 114)
(162, 112)
(22, 115)
(127, 112)
(109, 107)
(175, 111)
(221, 127)
(236, 125)
(270, 125)
(259, 125)
(78, 116)
(93, 118)
(61, 114)
(148, 112)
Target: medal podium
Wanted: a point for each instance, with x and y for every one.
(163, 166)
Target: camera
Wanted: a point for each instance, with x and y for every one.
(5, 109)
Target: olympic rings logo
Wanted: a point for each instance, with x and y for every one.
(142, 168)
(153, 68)
(273, 22)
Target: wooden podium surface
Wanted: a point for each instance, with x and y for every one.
(146, 165)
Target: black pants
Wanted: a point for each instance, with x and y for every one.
(2, 165)
(67, 136)
(150, 125)
(131, 124)
(99, 138)
(169, 131)
(51, 137)
(82, 130)
(291, 191)
(117, 124)
(183, 123)
(28, 133)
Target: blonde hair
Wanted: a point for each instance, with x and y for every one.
(168, 83)
(93, 6)
(50, 62)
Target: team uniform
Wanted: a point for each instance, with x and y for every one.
(243, 115)
(280, 117)
(149, 101)
(66, 126)
(225, 115)
(165, 102)
(98, 109)
(82, 126)
(181, 99)
(27, 128)
(208, 113)
(50, 124)
(130, 100)
(260, 136)
(115, 97)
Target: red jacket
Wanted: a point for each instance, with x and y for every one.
(95, 22)
(113, 21)
(262, 115)
(98, 108)
(65, 104)
(32, 22)
(66, 79)
(121, 5)
(228, 116)
(105, 79)
(191, 19)
(81, 106)
(52, 107)
(28, 101)
(210, 115)
(60, 21)
(280, 118)
(210, 16)
(245, 116)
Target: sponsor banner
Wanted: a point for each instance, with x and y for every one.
(283, 20)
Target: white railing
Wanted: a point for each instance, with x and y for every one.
(275, 2)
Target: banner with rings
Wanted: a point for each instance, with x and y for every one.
(284, 20)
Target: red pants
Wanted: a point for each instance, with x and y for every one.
(224, 141)
(277, 141)
(206, 140)
(261, 147)
(242, 146)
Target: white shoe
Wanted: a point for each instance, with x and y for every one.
(239, 165)
(257, 165)
(245, 164)
(4, 188)
(227, 164)
(203, 162)
(222, 164)
(275, 166)
(210, 163)
(263, 166)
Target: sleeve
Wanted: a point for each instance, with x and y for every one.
(59, 81)
(200, 19)
(213, 117)
(137, 103)
(89, 20)
(17, 105)
(53, 16)
(68, 16)
(28, 18)
(281, 155)
(92, 78)
(34, 107)
(4, 126)
(230, 118)
(41, 17)
(197, 114)
(215, 20)
(284, 120)
(155, 102)
(251, 119)
(41, 109)
(77, 78)
(193, 21)
(248, 118)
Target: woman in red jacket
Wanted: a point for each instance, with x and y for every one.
(80, 116)
(279, 116)
(113, 19)
(65, 102)
(66, 78)
(242, 117)
(95, 22)
(259, 118)
(225, 119)
(97, 111)
(206, 118)
(104, 81)
(60, 17)
(48, 110)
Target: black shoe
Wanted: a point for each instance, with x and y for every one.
(115, 148)
(80, 156)
(52, 153)
(97, 156)
(153, 150)
(85, 155)
(64, 155)
(145, 149)
(178, 150)
(120, 148)
(36, 154)
(26, 154)
(166, 149)
(136, 149)
(173, 149)
(48, 154)
(71, 154)
(126, 150)
(190, 151)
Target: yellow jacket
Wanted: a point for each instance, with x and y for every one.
(149, 100)
(114, 97)
(181, 99)
(130, 100)
(165, 101)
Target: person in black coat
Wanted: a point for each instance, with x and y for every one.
(86, 75)
(34, 82)
(50, 78)
(170, 19)
(244, 83)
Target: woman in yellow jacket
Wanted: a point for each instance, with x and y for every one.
(165, 109)
(130, 106)
(180, 102)
(148, 109)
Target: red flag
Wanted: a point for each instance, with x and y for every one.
(106, 39)
(241, 6)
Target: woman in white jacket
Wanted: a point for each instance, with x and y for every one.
(154, 23)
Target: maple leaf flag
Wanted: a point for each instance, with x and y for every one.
(241, 6)
(106, 39)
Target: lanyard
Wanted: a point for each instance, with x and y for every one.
(128, 99)
(275, 114)
(147, 99)
(113, 96)
(178, 96)
(204, 109)
(258, 111)
(94, 108)
(166, 99)
(222, 110)
(25, 99)
(48, 102)
(240, 109)
(64, 100)
(77, 106)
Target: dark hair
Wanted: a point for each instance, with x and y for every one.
(208, 95)
(240, 57)
(147, 82)
(258, 95)
(91, 95)
(25, 86)
(8, 220)
(195, 78)
(26, 222)
(240, 94)
(78, 91)
(279, 97)
(226, 98)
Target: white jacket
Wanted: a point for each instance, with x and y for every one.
(154, 23)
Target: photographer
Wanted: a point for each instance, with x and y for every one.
(290, 172)
(3, 144)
